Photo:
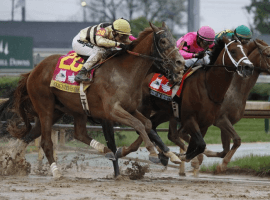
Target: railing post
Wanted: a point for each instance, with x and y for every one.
(266, 122)
(55, 143)
(62, 137)
(182, 165)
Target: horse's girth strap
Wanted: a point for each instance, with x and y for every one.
(84, 100)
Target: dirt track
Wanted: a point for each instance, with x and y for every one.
(82, 181)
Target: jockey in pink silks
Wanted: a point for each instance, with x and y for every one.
(194, 45)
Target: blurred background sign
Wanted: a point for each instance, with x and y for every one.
(16, 52)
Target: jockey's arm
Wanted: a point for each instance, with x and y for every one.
(104, 42)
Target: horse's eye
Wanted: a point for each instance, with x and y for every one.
(162, 41)
(233, 51)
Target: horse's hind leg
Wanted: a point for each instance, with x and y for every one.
(81, 135)
(108, 132)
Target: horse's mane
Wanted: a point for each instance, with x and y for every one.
(141, 36)
(219, 45)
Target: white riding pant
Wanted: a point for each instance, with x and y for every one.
(94, 52)
(205, 60)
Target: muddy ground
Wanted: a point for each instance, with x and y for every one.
(91, 177)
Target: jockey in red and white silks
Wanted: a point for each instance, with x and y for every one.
(192, 46)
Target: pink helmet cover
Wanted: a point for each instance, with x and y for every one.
(206, 33)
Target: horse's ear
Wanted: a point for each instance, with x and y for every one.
(164, 25)
(258, 45)
(155, 29)
(225, 39)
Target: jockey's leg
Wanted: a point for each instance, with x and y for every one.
(93, 59)
(86, 49)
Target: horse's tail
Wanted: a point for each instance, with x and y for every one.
(6, 112)
(23, 107)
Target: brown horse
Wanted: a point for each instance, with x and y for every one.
(233, 106)
(201, 99)
(114, 95)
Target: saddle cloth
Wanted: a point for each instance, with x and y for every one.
(159, 87)
(68, 66)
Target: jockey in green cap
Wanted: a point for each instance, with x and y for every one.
(242, 33)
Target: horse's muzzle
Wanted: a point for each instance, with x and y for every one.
(245, 70)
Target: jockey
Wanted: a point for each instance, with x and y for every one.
(93, 41)
(242, 33)
(193, 46)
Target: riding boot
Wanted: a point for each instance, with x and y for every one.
(82, 76)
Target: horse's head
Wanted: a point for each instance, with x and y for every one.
(261, 61)
(172, 63)
(235, 54)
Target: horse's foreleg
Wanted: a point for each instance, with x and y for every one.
(228, 130)
(81, 135)
(118, 114)
(108, 132)
(197, 144)
(155, 138)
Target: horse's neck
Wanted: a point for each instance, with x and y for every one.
(217, 81)
(240, 87)
(143, 65)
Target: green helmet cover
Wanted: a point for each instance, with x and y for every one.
(243, 32)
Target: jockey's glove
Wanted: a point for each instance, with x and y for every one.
(124, 47)
(199, 55)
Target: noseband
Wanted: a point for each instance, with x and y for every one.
(159, 55)
(236, 64)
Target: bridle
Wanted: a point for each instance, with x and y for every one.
(161, 60)
(236, 64)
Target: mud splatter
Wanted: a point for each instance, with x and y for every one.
(137, 171)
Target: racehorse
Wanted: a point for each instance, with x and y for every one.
(201, 97)
(114, 95)
(233, 106)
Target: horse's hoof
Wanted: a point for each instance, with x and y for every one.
(118, 153)
(57, 175)
(110, 156)
(196, 173)
(220, 168)
(154, 159)
(174, 159)
(163, 159)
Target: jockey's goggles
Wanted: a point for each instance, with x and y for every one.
(205, 42)
(244, 40)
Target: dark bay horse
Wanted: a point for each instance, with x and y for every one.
(114, 95)
(233, 106)
(202, 95)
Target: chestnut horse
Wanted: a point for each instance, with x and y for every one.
(201, 98)
(114, 95)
